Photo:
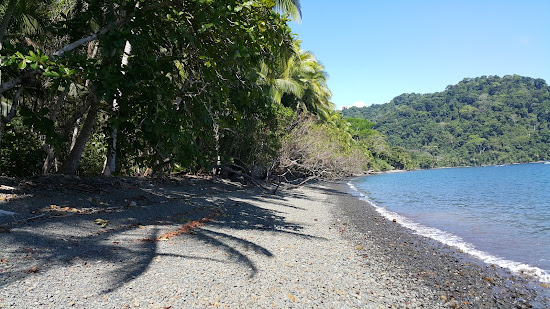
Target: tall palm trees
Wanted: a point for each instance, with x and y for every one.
(292, 7)
(311, 76)
(300, 83)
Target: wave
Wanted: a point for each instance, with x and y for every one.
(455, 241)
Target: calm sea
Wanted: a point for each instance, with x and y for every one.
(500, 214)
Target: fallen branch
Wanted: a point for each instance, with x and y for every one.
(302, 183)
(250, 178)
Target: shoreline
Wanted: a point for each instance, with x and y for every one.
(447, 270)
(446, 167)
(198, 243)
(517, 267)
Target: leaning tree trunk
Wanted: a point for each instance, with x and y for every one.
(110, 162)
(49, 149)
(73, 159)
(6, 20)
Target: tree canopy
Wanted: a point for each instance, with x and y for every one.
(483, 120)
(165, 86)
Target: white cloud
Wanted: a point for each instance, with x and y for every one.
(356, 104)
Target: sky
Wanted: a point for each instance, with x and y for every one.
(375, 50)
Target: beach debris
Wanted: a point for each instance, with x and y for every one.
(3, 261)
(358, 247)
(101, 222)
(33, 270)
(394, 220)
(189, 227)
(55, 210)
(489, 279)
(7, 197)
(183, 220)
(292, 297)
(545, 285)
(453, 303)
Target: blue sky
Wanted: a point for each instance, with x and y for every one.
(376, 50)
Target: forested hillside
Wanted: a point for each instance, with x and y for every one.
(484, 120)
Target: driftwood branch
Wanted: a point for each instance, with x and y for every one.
(251, 179)
(303, 182)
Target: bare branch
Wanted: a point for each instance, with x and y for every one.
(16, 81)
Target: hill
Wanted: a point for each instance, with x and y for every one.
(483, 120)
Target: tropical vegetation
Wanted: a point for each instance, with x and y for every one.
(479, 121)
(153, 87)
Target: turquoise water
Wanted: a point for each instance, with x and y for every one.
(500, 214)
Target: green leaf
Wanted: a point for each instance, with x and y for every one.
(25, 111)
(43, 111)
(206, 27)
(22, 65)
(51, 74)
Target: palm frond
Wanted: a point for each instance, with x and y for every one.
(292, 7)
(289, 87)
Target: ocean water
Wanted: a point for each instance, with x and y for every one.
(499, 214)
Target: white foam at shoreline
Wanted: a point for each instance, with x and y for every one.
(455, 241)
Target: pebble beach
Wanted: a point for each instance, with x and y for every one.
(207, 244)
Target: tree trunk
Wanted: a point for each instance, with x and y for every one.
(75, 134)
(6, 20)
(49, 149)
(11, 113)
(50, 158)
(73, 159)
(110, 162)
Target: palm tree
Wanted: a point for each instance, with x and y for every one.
(311, 74)
(299, 82)
(292, 7)
(29, 17)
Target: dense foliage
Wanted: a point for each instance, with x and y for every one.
(152, 87)
(484, 120)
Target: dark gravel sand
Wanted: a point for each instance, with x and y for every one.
(196, 243)
(461, 280)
